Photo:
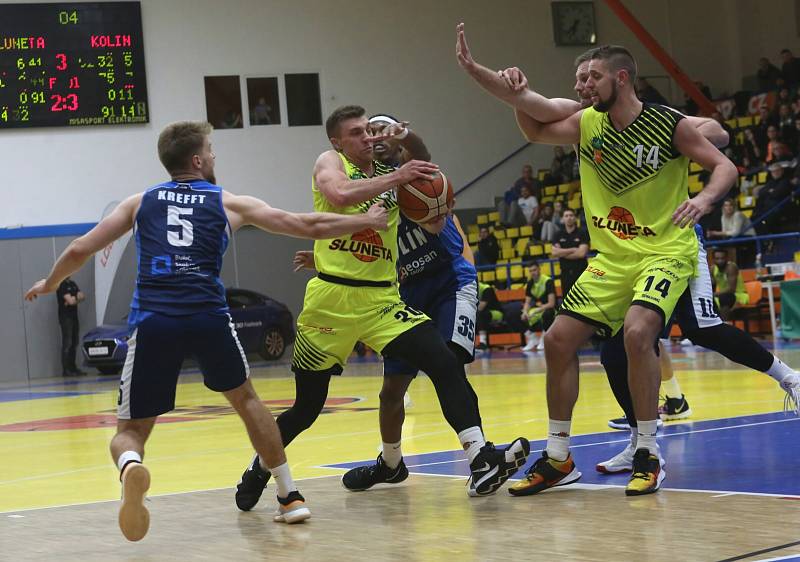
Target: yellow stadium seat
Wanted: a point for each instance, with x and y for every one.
(557, 269)
(512, 232)
(501, 273)
(745, 121)
(483, 219)
(548, 199)
(517, 272)
(550, 190)
(557, 283)
(762, 177)
(695, 167)
(515, 286)
(747, 212)
(526, 231)
(756, 119)
(738, 138)
(548, 248)
(521, 245)
(563, 188)
(487, 276)
(507, 253)
(731, 123)
(506, 243)
(504, 260)
(472, 237)
(536, 250)
(499, 233)
(695, 188)
(494, 216)
(472, 228)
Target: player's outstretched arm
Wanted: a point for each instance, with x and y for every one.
(82, 248)
(565, 131)
(341, 191)
(245, 210)
(512, 89)
(688, 140)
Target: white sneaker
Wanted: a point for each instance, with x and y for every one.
(531, 345)
(686, 341)
(622, 462)
(791, 384)
(540, 345)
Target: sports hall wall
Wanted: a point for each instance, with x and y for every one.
(389, 57)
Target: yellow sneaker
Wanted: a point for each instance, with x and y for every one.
(134, 519)
(647, 474)
(546, 473)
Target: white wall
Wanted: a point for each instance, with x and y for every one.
(395, 57)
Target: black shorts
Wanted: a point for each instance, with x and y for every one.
(156, 351)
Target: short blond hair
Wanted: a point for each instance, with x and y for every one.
(178, 142)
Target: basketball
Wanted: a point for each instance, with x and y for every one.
(424, 200)
(620, 214)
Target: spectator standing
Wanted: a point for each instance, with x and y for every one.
(790, 69)
(769, 196)
(68, 296)
(570, 247)
(768, 75)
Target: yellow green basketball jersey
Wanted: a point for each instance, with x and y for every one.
(367, 255)
(632, 181)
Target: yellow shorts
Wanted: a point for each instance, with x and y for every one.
(335, 317)
(611, 284)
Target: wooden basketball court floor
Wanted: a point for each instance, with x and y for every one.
(731, 491)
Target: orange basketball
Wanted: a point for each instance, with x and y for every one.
(424, 200)
(370, 238)
(620, 214)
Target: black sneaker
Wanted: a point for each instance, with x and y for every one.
(674, 409)
(623, 425)
(292, 509)
(491, 468)
(365, 477)
(647, 474)
(251, 486)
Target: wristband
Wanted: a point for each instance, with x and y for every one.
(404, 134)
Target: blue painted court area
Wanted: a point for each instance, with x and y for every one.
(749, 454)
(14, 395)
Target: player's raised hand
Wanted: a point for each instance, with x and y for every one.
(304, 259)
(390, 131)
(691, 211)
(379, 217)
(38, 288)
(416, 170)
(514, 78)
(463, 55)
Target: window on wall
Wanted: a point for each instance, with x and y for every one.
(303, 104)
(223, 102)
(263, 101)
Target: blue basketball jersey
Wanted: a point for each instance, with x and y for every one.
(181, 233)
(422, 254)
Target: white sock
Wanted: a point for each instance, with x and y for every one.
(558, 439)
(472, 440)
(483, 337)
(671, 388)
(283, 479)
(126, 457)
(392, 455)
(646, 438)
(634, 436)
(779, 370)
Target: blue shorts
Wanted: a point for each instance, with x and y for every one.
(451, 307)
(156, 351)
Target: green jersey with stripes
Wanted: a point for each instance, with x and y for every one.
(367, 255)
(632, 181)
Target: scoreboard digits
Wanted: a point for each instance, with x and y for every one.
(72, 64)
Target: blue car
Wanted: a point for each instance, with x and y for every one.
(264, 326)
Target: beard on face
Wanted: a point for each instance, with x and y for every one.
(605, 106)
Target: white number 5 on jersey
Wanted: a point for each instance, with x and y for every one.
(185, 236)
(652, 156)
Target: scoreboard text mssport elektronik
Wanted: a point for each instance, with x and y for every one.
(71, 64)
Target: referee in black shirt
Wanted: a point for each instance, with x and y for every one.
(570, 247)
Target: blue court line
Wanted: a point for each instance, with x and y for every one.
(748, 454)
(16, 396)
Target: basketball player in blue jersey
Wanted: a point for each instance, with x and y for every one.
(182, 228)
(698, 321)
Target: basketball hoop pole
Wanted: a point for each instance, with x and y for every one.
(661, 56)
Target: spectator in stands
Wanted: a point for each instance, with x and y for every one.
(570, 247)
(691, 106)
(558, 212)
(752, 148)
(729, 287)
(560, 167)
(529, 205)
(773, 139)
(647, 92)
(748, 170)
(770, 195)
(782, 153)
(734, 223)
(510, 214)
(539, 309)
(790, 69)
(786, 129)
(489, 311)
(543, 227)
(766, 118)
(488, 249)
(768, 75)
